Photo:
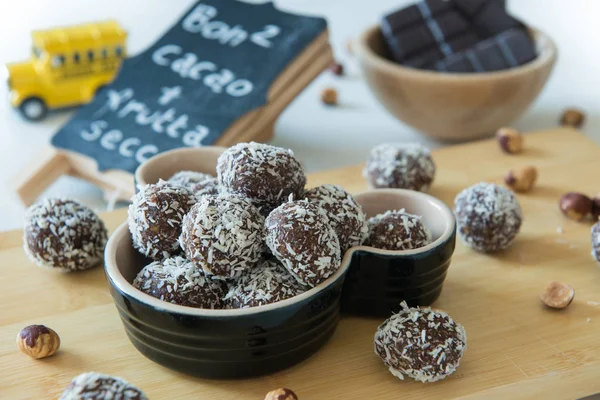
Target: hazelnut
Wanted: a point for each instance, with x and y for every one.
(521, 180)
(558, 295)
(329, 96)
(510, 140)
(576, 206)
(281, 394)
(572, 117)
(596, 207)
(38, 341)
(337, 69)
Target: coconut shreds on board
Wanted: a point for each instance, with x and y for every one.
(97, 386)
(421, 343)
(488, 216)
(344, 213)
(400, 165)
(397, 230)
(177, 280)
(223, 235)
(268, 283)
(300, 235)
(155, 216)
(65, 234)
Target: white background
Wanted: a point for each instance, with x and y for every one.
(322, 137)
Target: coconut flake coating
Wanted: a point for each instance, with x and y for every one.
(63, 234)
(155, 217)
(300, 235)
(421, 343)
(96, 386)
(488, 217)
(223, 235)
(189, 178)
(400, 165)
(267, 175)
(177, 280)
(207, 187)
(397, 230)
(596, 241)
(268, 283)
(344, 213)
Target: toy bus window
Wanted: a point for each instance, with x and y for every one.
(119, 51)
(37, 53)
(90, 55)
(57, 61)
(104, 53)
(76, 57)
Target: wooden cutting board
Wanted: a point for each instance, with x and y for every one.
(516, 347)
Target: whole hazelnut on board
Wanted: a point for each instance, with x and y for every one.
(38, 341)
(510, 140)
(557, 295)
(572, 117)
(329, 96)
(596, 207)
(576, 206)
(337, 69)
(521, 180)
(281, 394)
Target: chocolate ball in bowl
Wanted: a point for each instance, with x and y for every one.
(397, 230)
(344, 213)
(488, 216)
(302, 238)
(223, 235)
(267, 175)
(63, 234)
(400, 166)
(155, 217)
(189, 178)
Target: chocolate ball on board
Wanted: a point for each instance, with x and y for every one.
(64, 235)
(155, 216)
(223, 235)
(344, 213)
(488, 216)
(177, 280)
(96, 386)
(400, 165)
(300, 235)
(268, 283)
(397, 230)
(267, 175)
(421, 343)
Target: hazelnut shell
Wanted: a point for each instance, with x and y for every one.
(575, 206)
(281, 394)
(557, 295)
(38, 341)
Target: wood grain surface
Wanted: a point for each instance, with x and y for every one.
(516, 347)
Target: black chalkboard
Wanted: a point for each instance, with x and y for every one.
(213, 66)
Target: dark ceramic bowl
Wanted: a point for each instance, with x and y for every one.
(379, 280)
(220, 343)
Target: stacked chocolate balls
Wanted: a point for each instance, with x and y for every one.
(248, 237)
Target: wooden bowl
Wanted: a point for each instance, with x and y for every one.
(453, 106)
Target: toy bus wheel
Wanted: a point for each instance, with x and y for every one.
(33, 109)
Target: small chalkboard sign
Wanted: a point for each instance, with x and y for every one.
(194, 86)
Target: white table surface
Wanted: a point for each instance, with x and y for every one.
(322, 137)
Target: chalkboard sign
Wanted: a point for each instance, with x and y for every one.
(213, 66)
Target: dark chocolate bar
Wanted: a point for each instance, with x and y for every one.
(411, 15)
(488, 17)
(428, 57)
(508, 49)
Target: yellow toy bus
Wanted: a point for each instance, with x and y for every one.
(67, 67)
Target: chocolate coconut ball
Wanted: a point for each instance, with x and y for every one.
(63, 234)
(189, 178)
(177, 280)
(155, 217)
(300, 235)
(488, 217)
(400, 165)
(421, 343)
(205, 188)
(268, 283)
(223, 235)
(267, 175)
(397, 230)
(344, 213)
(96, 386)
(596, 241)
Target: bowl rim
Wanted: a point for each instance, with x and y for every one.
(446, 235)
(367, 55)
(118, 280)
